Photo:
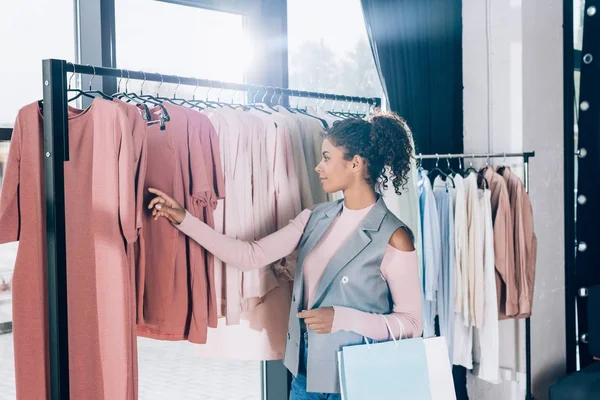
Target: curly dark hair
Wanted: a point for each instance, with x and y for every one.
(384, 140)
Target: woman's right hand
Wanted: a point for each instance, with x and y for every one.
(164, 205)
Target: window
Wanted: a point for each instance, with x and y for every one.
(329, 48)
(189, 42)
(31, 31)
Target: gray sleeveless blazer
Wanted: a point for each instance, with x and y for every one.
(351, 279)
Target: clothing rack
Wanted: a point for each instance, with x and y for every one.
(56, 152)
(526, 156)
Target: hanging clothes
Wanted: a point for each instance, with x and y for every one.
(406, 207)
(431, 252)
(525, 240)
(475, 241)
(487, 340)
(135, 250)
(177, 285)
(463, 330)
(504, 252)
(255, 324)
(100, 215)
(445, 300)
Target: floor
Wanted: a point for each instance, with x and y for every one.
(168, 370)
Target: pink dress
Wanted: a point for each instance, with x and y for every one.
(183, 161)
(100, 216)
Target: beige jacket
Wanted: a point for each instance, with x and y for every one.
(504, 246)
(525, 241)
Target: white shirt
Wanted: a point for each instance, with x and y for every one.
(487, 341)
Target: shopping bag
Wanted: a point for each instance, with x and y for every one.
(412, 369)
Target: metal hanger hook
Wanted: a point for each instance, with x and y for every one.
(196, 88)
(233, 95)
(265, 95)
(437, 161)
(177, 87)
(273, 96)
(119, 82)
(72, 75)
(93, 76)
(142, 87)
(159, 86)
(448, 160)
(127, 81)
(209, 89)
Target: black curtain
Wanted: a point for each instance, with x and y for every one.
(417, 46)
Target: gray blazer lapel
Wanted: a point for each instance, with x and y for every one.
(351, 248)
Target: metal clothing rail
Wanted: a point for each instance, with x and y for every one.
(196, 82)
(526, 156)
(56, 152)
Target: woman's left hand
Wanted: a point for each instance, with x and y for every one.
(319, 320)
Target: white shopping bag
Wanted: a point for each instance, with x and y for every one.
(411, 369)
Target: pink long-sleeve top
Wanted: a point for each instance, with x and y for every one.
(398, 269)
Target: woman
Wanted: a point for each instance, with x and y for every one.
(356, 260)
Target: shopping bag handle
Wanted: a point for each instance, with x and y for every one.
(389, 330)
(400, 324)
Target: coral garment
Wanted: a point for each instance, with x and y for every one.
(176, 283)
(100, 221)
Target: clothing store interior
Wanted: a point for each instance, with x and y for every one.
(299, 199)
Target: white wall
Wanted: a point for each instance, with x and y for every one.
(512, 71)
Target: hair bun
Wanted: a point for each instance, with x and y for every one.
(383, 140)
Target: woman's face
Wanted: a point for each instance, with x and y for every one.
(335, 172)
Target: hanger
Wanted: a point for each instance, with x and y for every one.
(146, 110)
(332, 111)
(270, 103)
(449, 169)
(437, 171)
(479, 174)
(305, 112)
(255, 106)
(502, 167)
(153, 100)
(223, 104)
(278, 102)
(174, 100)
(88, 93)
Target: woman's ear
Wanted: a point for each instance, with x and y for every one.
(357, 163)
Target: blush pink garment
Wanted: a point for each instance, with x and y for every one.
(219, 122)
(100, 221)
(525, 240)
(134, 250)
(237, 213)
(400, 269)
(504, 246)
(206, 187)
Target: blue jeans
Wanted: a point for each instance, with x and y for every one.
(298, 390)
